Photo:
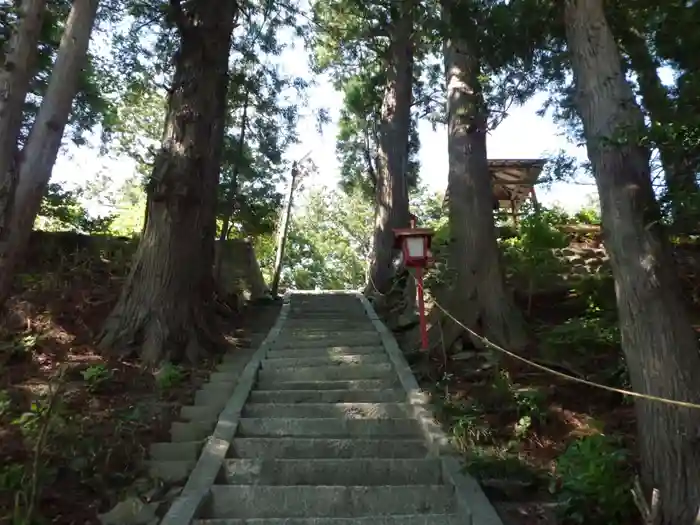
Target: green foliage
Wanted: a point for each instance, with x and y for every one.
(96, 376)
(594, 482)
(329, 242)
(5, 403)
(464, 421)
(12, 477)
(91, 105)
(63, 210)
(530, 252)
(594, 328)
(528, 405)
(169, 376)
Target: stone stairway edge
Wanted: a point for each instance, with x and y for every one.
(211, 459)
(471, 500)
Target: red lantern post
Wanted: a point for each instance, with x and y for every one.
(414, 244)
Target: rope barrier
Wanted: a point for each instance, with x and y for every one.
(562, 375)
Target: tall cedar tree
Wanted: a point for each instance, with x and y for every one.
(660, 345)
(480, 297)
(165, 308)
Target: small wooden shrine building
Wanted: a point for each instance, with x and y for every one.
(514, 182)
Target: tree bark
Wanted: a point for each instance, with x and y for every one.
(680, 178)
(166, 306)
(15, 77)
(40, 152)
(657, 338)
(391, 204)
(480, 297)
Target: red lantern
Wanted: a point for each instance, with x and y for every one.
(414, 244)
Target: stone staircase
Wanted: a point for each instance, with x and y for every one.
(323, 428)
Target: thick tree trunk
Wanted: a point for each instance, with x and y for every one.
(391, 194)
(165, 305)
(480, 297)
(659, 344)
(40, 152)
(15, 77)
(681, 185)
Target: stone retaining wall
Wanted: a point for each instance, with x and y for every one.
(240, 273)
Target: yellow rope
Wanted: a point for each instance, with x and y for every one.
(494, 346)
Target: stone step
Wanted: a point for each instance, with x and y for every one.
(327, 396)
(333, 471)
(339, 384)
(292, 326)
(214, 395)
(395, 428)
(184, 450)
(325, 373)
(223, 376)
(414, 519)
(250, 501)
(329, 338)
(326, 410)
(348, 359)
(234, 369)
(321, 351)
(172, 471)
(190, 430)
(199, 413)
(300, 448)
(334, 312)
(240, 358)
(297, 326)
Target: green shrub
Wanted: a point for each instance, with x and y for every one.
(594, 482)
(169, 376)
(96, 376)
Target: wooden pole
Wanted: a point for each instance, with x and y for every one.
(284, 229)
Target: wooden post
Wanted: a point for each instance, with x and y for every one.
(284, 229)
(535, 202)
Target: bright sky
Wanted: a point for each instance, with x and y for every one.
(522, 135)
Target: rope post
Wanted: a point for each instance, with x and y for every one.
(421, 309)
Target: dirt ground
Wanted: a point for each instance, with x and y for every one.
(518, 470)
(75, 443)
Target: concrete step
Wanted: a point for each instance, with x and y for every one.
(234, 368)
(239, 357)
(403, 428)
(339, 384)
(224, 377)
(324, 325)
(328, 339)
(415, 519)
(328, 351)
(333, 471)
(295, 326)
(214, 395)
(171, 471)
(199, 413)
(350, 359)
(184, 450)
(300, 448)
(325, 373)
(251, 501)
(190, 430)
(327, 396)
(327, 410)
